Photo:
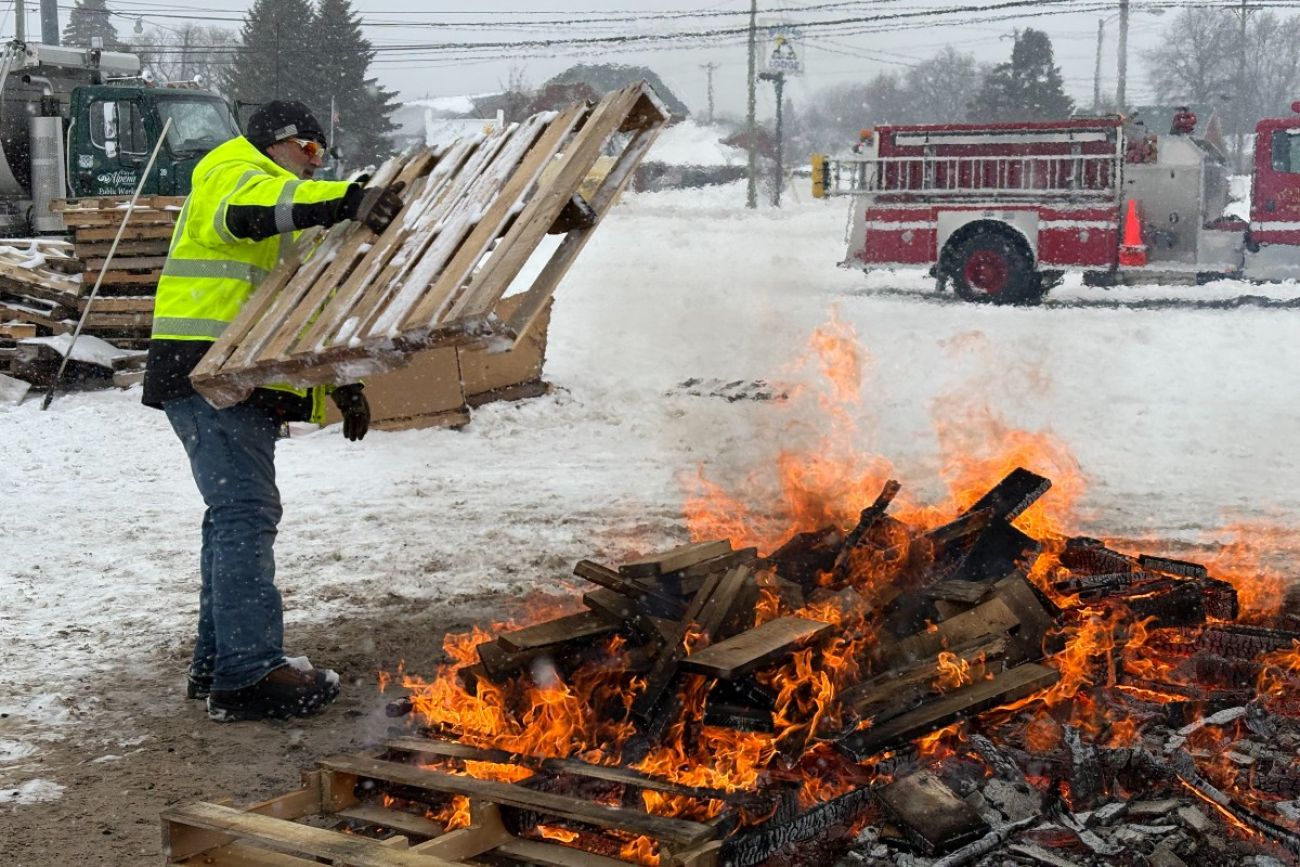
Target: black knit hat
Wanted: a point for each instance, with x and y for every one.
(276, 121)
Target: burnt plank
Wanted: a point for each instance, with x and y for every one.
(737, 557)
(965, 592)
(1091, 586)
(583, 625)
(1010, 497)
(1091, 556)
(679, 831)
(646, 707)
(754, 648)
(680, 557)
(1011, 685)
(991, 618)
(930, 814)
(829, 818)
(866, 520)
(806, 555)
(1172, 566)
(866, 698)
(572, 767)
(624, 609)
(611, 580)
(995, 553)
(724, 610)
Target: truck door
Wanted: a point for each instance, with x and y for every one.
(1275, 201)
(111, 146)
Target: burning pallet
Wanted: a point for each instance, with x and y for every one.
(475, 213)
(708, 705)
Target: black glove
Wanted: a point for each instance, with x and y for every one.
(374, 206)
(351, 401)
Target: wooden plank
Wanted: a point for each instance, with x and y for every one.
(543, 209)
(540, 154)
(553, 855)
(133, 232)
(438, 242)
(754, 648)
(540, 211)
(484, 834)
(292, 838)
(573, 627)
(371, 284)
(539, 292)
(646, 707)
(965, 592)
(1009, 686)
(17, 330)
(9, 310)
(353, 250)
(120, 304)
(865, 698)
(572, 767)
(306, 264)
(679, 831)
(722, 611)
(681, 557)
(126, 263)
(1014, 494)
(986, 619)
(930, 814)
(235, 855)
(397, 820)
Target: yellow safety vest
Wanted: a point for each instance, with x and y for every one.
(210, 273)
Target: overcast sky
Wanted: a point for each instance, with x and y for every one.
(407, 34)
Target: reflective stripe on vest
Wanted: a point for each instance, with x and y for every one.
(220, 268)
(178, 327)
(219, 215)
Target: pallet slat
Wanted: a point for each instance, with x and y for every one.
(678, 831)
(291, 838)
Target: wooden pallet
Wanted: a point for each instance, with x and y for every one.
(271, 833)
(354, 304)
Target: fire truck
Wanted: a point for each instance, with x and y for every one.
(1001, 211)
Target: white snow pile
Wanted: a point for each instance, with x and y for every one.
(1171, 411)
(693, 144)
(87, 348)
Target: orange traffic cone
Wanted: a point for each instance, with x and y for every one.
(1132, 252)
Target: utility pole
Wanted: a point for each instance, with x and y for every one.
(1121, 87)
(709, 67)
(185, 53)
(1241, 92)
(1096, 73)
(50, 22)
(20, 21)
(778, 81)
(751, 191)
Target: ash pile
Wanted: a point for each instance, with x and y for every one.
(888, 694)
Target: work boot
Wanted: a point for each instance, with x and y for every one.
(197, 685)
(286, 692)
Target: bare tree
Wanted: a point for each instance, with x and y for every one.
(181, 53)
(1196, 60)
(941, 88)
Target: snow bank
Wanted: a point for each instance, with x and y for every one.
(692, 144)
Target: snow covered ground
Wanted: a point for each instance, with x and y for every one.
(1178, 404)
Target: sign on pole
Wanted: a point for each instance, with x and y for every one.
(784, 48)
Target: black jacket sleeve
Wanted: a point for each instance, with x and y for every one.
(257, 222)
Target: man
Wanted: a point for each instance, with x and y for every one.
(249, 198)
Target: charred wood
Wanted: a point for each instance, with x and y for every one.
(930, 814)
(1090, 556)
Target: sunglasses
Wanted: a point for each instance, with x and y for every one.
(310, 147)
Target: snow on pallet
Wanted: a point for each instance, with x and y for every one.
(351, 304)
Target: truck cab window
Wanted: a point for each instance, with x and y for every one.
(197, 125)
(132, 137)
(1286, 151)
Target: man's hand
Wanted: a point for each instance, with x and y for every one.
(377, 206)
(351, 401)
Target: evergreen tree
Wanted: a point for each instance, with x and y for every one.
(363, 125)
(276, 58)
(1027, 88)
(89, 19)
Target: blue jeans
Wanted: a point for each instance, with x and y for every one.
(241, 622)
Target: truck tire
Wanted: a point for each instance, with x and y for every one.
(991, 268)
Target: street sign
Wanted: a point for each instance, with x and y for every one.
(784, 48)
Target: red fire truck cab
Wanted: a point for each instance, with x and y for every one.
(1002, 211)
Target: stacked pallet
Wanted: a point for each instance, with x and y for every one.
(123, 311)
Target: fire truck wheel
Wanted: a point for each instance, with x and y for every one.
(990, 268)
